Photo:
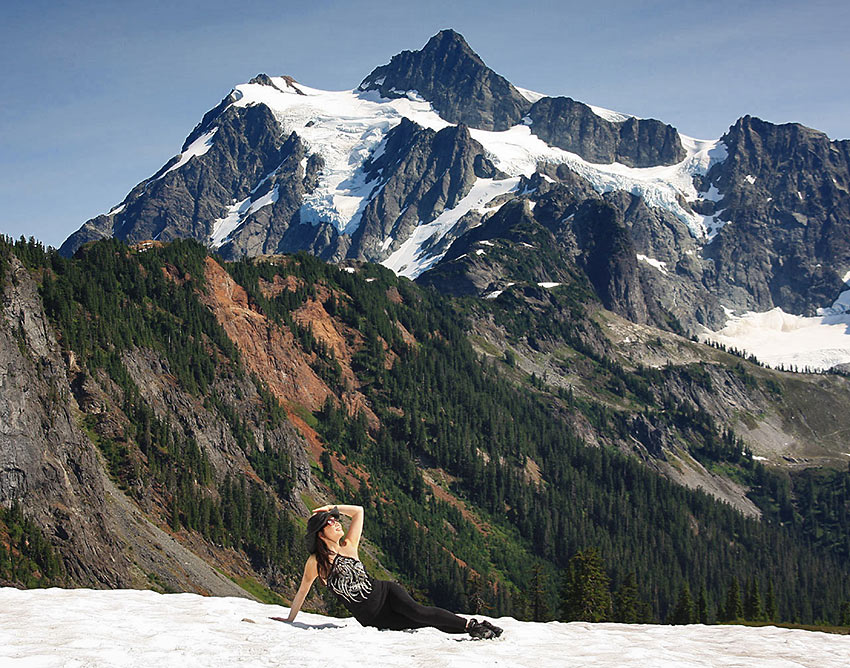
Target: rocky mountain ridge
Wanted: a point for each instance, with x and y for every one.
(755, 220)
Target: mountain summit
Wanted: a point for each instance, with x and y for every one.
(454, 79)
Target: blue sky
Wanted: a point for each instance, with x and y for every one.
(97, 95)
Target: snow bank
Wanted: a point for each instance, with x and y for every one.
(47, 628)
(777, 338)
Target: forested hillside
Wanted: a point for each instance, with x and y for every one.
(226, 399)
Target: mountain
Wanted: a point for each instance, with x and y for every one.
(433, 143)
(257, 348)
(172, 417)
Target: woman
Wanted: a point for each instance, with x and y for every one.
(379, 603)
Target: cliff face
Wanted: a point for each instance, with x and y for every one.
(574, 127)
(785, 206)
(62, 427)
(46, 459)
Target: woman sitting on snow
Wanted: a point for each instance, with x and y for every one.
(379, 603)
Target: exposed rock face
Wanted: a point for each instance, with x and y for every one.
(46, 460)
(786, 197)
(676, 280)
(184, 203)
(269, 351)
(49, 462)
(574, 127)
(452, 77)
(277, 228)
(420, 174)
(608, 258)
(562, 233)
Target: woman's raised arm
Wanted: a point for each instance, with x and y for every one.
(355, 530)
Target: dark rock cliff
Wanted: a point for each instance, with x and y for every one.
(786, 203)
(454, 79)
(574, 127)
(420, 174)
(185, 202)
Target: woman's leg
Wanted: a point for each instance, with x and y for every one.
(401, 612)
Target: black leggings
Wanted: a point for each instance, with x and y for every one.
(401, 612)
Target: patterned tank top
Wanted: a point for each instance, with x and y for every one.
(348, 579)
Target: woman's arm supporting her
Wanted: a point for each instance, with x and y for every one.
(311, 572)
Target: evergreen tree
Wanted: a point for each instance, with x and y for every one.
(539, 604)
(734, 608)
(327, 465)
(753, 608)
(770, 611)
(844, 619)
(627, 604)
(585, 595)
(684, 612)
(702, 606)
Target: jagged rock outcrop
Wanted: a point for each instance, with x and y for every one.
(574, 127)
(786, 202)
(46, 460)
(609, 259)
(277, 227)
(454, 79)
(561, 233)
(671, 271)
(420, 174)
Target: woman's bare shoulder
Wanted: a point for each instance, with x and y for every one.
(349, 551)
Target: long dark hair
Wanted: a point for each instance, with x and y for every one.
(323, 557)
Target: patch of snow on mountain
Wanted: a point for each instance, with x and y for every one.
(841, 304)
(344, 128)
(236, 215)
(517, 151)
(548, 285)
(197, 148)
(608, 115)
(530, 95)
(660, 266)
(410, 260)
(780, 339)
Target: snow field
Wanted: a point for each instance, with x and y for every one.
(49, 628)
(779, 339)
